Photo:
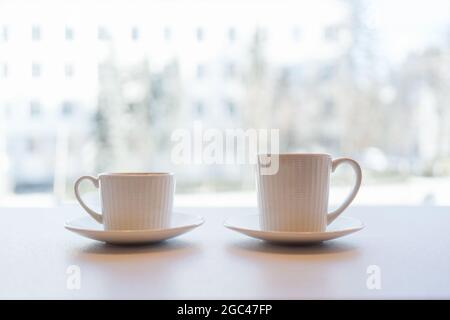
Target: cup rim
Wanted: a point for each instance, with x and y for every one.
(136, 174)
(295, 154)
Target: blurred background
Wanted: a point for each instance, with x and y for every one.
(94, 86)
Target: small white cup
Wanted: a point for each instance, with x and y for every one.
(132, 201)
(295, 198)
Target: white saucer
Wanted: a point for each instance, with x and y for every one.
(89, 228)
(249, 225)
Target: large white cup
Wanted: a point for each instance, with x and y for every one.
(296, 197)
(132, 201)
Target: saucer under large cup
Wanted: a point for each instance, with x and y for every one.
(89, 228)
(249, 225)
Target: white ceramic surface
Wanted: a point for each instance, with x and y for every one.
(249, 225)
(86, 227)
(132, 201)
(295, 198)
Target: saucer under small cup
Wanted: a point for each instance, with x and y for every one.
(89, 228)
(249, 226)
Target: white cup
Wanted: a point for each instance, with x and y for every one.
(296, 197)
(132, 201)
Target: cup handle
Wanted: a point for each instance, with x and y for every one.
(98, 217)
(355, 166)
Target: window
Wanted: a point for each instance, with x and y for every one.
(231, 35)
(200, 34)
(69, 70)
(357, 69)
(36, 33)
(330, 33)
(36, 70)
(296, 34)
(167, 33)
(261, 34)
(131, 107)
(3, 70)
(31, 145)
(4, 33)
(230, 107)
(230, 70)
(199, 108)
(35, 109)
(328, 108)
(7, 111)
(67, 108)
(103, 33)
(326, 72)
(201, 71)
(69, 34)
(134, 33)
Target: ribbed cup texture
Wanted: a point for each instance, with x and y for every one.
(136, 202)
(296, 197)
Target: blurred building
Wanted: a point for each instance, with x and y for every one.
(88, 87)
(51, 55)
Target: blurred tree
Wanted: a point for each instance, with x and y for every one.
(358, 84)
(137, 111)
